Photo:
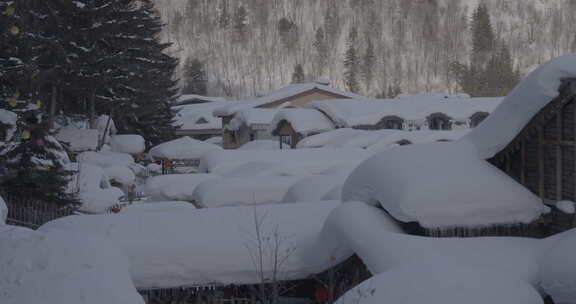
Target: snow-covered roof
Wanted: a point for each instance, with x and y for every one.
(254, 118)
(78, 139)
(441, 185)
(376, 140)
(243, 191)
(127, 143)
(211, 246)
(193, 97)
(261, 144)
(175, 186)
(442, 284)
(303, 121)
(518, 108)
(315, 188)
(276, 95)
(62, 267)
(286, 162)
(183, 148)
(159, 206)
(198, 116)
(349, 113)
(558, 269)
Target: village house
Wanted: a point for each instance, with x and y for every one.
(293, 96)
(193, 116)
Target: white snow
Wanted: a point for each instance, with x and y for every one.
(105, 158)
(441, 185)
(314, 188)
(525, 101)
(376, 140)
(211, 246)
(159, 206)
(78, 139)
(243, 191)
(62, 267)
(568, 207)
(198, 116)
(277, 95)
(304, 121)
(215, 140)
(183, 148)
(8, 118)
(558, 269)
(261, 144)
(95, 191)
(120, 174)
(254, 118)
(3, 211)
(187, 97)
(442, 285)
(128, 143)
(347, 113)
(291, 162)
(175, 186)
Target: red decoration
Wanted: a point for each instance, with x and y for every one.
(115, 209)
(322, 294)
(168, 163)
(40, 142)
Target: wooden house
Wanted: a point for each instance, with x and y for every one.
(542, 156)
(292, 125)
(294, 96)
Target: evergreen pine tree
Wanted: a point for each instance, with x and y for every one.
(483, 38)
(298, 74)
(195, 77)
(368, 64)
(351, 64)
(240, 23)
(320, 52)
(31, 162)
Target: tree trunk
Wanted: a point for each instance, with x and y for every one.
(53, 102)
(92, 111)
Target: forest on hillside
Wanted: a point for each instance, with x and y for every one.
(241, 47)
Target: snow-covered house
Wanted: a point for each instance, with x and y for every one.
(196, 119)
(294, 96)
(196, 99)
(408, 112)
(249, 125)
(292, 125)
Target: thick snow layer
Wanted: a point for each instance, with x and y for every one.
(558, 269)
(120, 174)
(215, 140)
(94, 190)
(304, 121)
(3, 211)
(261, 144)
(525, 101)
(8, 118)
(183, 148)
(198, 116)
(306, 160)
(129, 143)
(376, 140)
(568, 207)
(442, 285)
(187, 97)
(105, 159)
(243, 191)
(106, 127)
(257, 119)
(159, 206)
(441, 185)
(175, 186)
(211, 246)
(374, 237)
(63, 267)
(286, 92)
(314, 188)
(78, 139)
(348, 113)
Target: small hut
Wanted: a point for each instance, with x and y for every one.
(292, 125)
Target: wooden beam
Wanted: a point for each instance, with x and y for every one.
(559, 157)
(540, 162)
(523, 163)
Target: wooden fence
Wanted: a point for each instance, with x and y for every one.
(33, 213)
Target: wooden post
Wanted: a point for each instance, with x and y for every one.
(52, 112)
(559, 157)
(523, 163)
(540, 163)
